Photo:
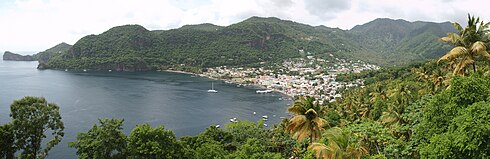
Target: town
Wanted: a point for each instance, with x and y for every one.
(309, 76)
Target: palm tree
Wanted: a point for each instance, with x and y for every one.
(422, 73)
(339, 145)
(401, 96)
(379, 93)
(439, 80)
(307, 121)
(469, 44)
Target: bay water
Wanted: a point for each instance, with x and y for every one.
(180, 102)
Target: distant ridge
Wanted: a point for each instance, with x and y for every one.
(253, 42)
(42, 57)
(10, 56)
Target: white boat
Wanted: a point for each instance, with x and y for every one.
(217, 126)
(234, 120)
(212, 89)
(265, 117)
(260, 92)
(263, 91)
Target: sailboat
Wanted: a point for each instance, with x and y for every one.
(212, 89)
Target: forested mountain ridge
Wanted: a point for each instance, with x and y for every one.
(42, 57)
(10, 56)
(252, 42)
(400, 41)
(47, 54)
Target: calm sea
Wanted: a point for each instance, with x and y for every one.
(177, 101)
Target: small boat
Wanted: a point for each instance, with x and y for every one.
(260, 92)
(212, 89)
(265, 125)
(255, 113)
(66, 70)
(84, 70)
(234, 120)
(110, 70)
(265, 117)
(263, 91)
(217, 126)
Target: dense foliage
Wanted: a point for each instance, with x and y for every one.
(32, 118)
(424, 110)
(104, 141)
(44, 56)
(421, 113)
(253, 42)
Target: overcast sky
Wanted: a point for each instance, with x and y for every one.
(36, 25)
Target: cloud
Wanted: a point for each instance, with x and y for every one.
(327, 9)
(29, 25)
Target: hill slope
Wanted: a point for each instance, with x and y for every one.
(10, 56)
(400, 41)
(44, 56)
(251, 42)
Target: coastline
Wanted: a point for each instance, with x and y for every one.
(232, 82)
(182, 72)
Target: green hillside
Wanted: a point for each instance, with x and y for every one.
(394, 42)
(47, 54)
(252, 42)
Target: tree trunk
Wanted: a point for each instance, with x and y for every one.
(311, 135)
(311, 138)
(474, 68)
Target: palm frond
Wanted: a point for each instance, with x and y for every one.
(458, 27)
(454, 53)
(319, 149)
(478, 46)
(452, 38)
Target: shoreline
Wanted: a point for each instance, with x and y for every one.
(175, 71)
(232, 82)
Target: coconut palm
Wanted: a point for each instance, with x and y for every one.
(469, 45)
(422, 73)
(379, 93)
(401, 96)
(307, 121)
(439, 80)
(339, 145)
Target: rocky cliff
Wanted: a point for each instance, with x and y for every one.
(9, 56)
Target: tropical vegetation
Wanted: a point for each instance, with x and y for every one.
(422, 110)
(251, 43)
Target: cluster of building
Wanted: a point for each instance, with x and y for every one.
(304, 76)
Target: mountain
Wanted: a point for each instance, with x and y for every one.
(9, 56)
(400, 41)
(252, 42)
(44, 56)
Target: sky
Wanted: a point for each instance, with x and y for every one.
(36, 25)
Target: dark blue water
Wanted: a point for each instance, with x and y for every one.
(177, 101)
